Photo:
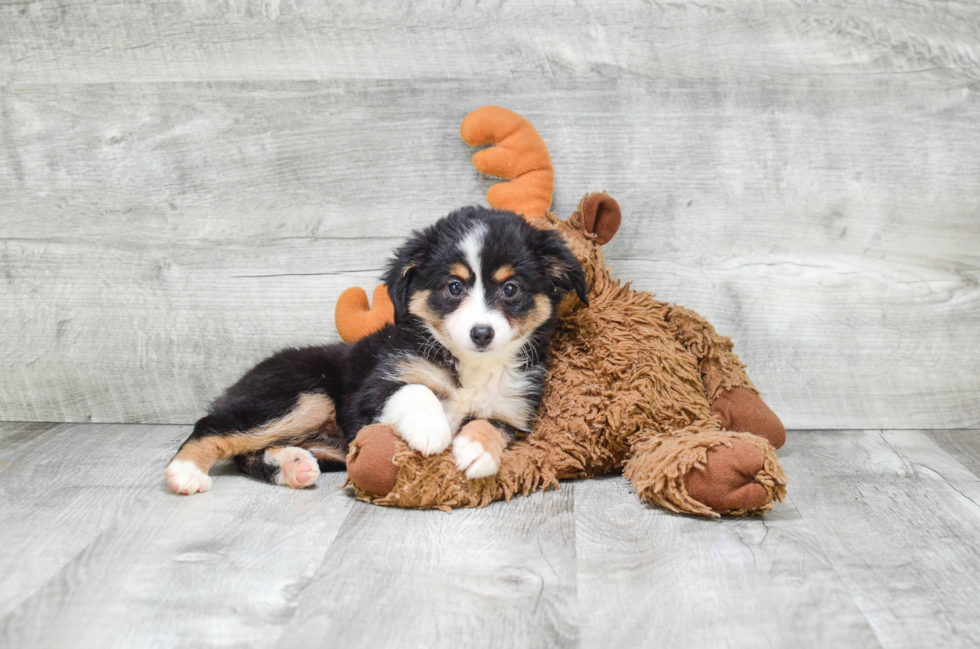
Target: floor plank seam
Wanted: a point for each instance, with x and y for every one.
(837, 573)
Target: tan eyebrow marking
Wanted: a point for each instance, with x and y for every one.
(503, 273)
(460, 271)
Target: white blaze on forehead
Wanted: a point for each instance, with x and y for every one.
(471, 246)
(473, 310)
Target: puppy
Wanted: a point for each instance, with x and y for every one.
(475, 299)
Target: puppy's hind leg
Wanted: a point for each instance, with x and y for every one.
(216, 437)
(330, 452)
(288, 466)
(293, 466)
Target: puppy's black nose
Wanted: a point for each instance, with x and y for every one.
(481, 335)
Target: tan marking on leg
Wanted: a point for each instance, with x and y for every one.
(423, 372)
(312, 412)
(460, 271)
(324, 452)
(503, 273)
(478, 449)
(493, 440)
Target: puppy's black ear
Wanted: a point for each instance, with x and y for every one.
(400, 275)
(562, 267)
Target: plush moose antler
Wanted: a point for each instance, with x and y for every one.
(518, 155)
(357, 319)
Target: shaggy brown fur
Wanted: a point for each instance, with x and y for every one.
(631, 386)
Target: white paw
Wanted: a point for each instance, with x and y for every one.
(473, 459)
(185, 478)
(417, 414)
(426, 432)
(297, 466)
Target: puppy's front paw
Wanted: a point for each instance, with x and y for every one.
(472, 458)
(425, 431)
(185, 478)
(478, 449)
(418, 417)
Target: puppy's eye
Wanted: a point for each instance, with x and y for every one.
(455, 287)
(510, 289)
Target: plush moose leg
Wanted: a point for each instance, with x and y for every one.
(705, 470)
(742, 410)
(734, 400)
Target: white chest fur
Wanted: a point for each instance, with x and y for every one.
(491, 390)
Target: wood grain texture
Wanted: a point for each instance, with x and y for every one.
(187, 186)
(503, 576)
(136, 565)
(17, 434)
(648, 577)
(963, 446)
(62, 486)
(876, 546)
(898, 517)
(263, 40)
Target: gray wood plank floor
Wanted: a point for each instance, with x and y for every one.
(875, 546)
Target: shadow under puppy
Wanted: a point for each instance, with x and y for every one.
(476, 297)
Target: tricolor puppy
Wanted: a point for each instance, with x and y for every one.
(475, 299)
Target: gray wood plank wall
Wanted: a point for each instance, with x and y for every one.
(186, 186)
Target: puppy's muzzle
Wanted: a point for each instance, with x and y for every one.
(481, 335)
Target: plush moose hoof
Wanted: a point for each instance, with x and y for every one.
(742, 411)
(370, 464)
(726, 483)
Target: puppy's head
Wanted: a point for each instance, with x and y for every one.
(483, 281)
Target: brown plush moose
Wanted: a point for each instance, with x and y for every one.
(634, 383)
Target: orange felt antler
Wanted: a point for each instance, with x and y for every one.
(356, 319)
(519, 155)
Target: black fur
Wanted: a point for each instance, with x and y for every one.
(255, 465)
(358, 377)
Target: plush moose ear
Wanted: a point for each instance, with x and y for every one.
(562, 267)
(400, 275)
(599, 215)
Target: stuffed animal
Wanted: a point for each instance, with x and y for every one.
(634, 384)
